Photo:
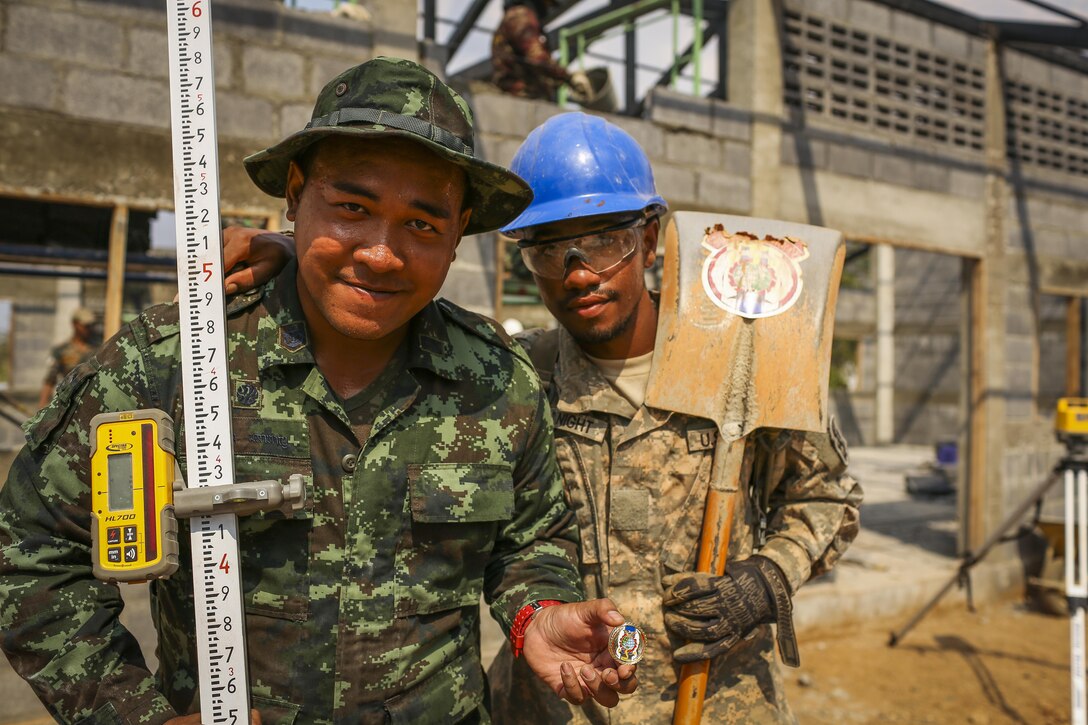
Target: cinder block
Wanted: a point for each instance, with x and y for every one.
(891, 169)
(1019, 379)
(969, 184)
(1033, 71)
(143, 12)
(323, 69)
(850, 160)
(1019, 321)
(245, 117)
(273, 73)
(912, 30)
(800, 150)
(148, 54)
(950, 41)
(870, 17)
(976, 50)
(835, 10)
(294, 117)
(495, 112)
(81, 40)
(471, 287)
(730, 123)
(498, 149)
(692, 149)
(649, 137)
(116, 98)
(677, 110)
(676, 184)
(737, 159)
(1064, 214)
(223, 56)
(724, 192)
(27, 83)
(931, 177)
(325, 33)
(1050, 242)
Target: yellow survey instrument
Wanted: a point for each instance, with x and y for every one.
(1071, 418)
(134, 535)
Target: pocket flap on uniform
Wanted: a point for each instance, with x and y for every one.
(461, 492)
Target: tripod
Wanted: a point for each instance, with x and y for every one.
(1072, 469)
(1075, 474)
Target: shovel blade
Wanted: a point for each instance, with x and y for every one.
(746, 318)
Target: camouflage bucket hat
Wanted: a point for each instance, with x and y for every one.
(396, 97)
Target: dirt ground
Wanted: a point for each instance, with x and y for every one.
(1004, 664)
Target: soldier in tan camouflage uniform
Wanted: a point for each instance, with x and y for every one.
(521, 60)
(66, 356)
(420, 429)
(637, 477)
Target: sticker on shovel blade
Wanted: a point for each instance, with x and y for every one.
(752, 277)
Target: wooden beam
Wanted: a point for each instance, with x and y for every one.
(977, 403)
(500, 274)
(115, 271)
(1072, 347)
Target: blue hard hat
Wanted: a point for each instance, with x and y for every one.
(579, 166)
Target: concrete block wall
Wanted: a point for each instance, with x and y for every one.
(928, 354)
(1053, 310)
(85, 88)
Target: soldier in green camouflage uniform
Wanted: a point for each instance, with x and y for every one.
(637, 477)
(63, 358)
(428, 458)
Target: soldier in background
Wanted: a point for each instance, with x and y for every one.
(521, 59)
(420, 429)
(85, 339)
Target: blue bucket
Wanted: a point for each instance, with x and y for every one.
(947, 453)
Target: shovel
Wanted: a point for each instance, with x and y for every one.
(743, 339)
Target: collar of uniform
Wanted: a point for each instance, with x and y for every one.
(584, 387)
(429, 343)
(281, 335)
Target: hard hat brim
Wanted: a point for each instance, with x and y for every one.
(592, 205)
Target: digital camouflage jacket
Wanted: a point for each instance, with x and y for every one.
(441, 486)
(637, 481)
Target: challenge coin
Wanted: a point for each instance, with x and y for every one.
(626, 643)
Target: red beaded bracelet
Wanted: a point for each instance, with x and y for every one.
(521, 622)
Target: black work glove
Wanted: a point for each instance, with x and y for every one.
(714, 613)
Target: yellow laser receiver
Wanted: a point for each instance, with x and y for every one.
(1072, 417)
(134, 533)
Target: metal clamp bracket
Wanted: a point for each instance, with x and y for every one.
(240, 498)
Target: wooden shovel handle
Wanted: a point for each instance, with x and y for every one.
(713, 551)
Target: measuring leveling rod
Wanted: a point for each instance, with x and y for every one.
(220, 630)
(1076, 583)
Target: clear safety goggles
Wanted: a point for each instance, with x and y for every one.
(598, 251)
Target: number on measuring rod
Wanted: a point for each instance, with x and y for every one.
(224, 690)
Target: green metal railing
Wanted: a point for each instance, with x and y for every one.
(584, 33)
